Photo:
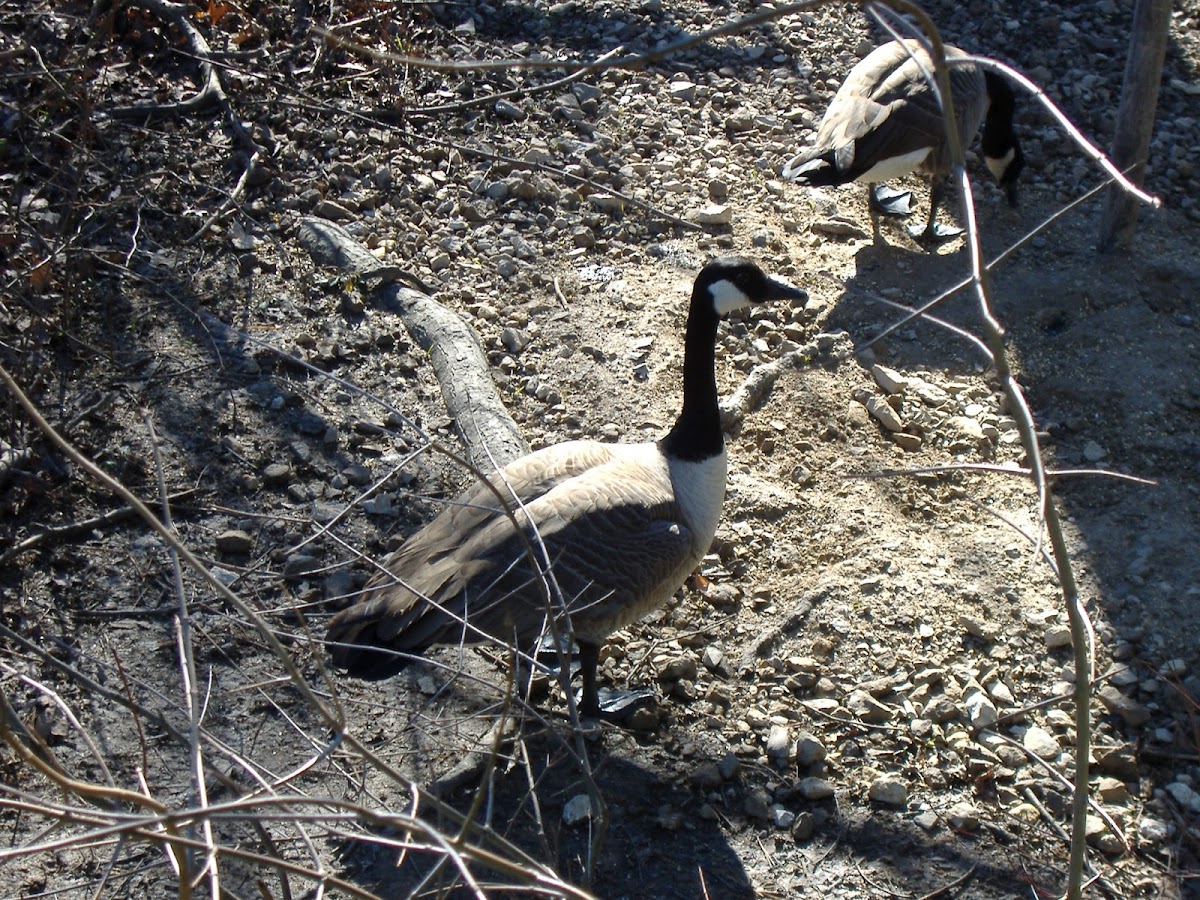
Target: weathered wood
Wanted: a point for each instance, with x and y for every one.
(488, 432)
(824, 349)
(491, 437)
(1135, 117)
(331, 245)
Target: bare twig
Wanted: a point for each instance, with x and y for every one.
(74, 529)
(994, 338)
(1061, 779)
(920, 311)
(947, 888)
(996, 469)
(211, 94)
(502, 95)
(824, 348)
(191, 689)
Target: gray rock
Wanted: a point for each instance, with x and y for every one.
(888, 790)
(682, 91)
(712, 659)
(978, 628)
(1058, 636)
(804, 827)
(277, 474)
(577, 810)
(679, 667)
(865, 707)
(757, 804)
(514, 340)
(607, 203)
(335, 212)
(1101, 838)
(889, 380)
(778, 744)
(299, 564)
(1000, 693)
(1132, 712)
(927, 820)
(940, 709)
(813, 788)
(809, 750)
(1184, 795)
(223, 575)
(310, 423)
(1153, 831)
(713, 214)
(728, 765)
(979, 708)
(836, 227)
(882, 412)
(963, 817)
(1041, 743)
(357, 474)
(235, 542)
(506, 109)
(1113, 791)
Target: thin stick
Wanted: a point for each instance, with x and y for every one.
(191, 693)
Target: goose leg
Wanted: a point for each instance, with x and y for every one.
(617, 705)
(589, 661)
(889, 201)
(934, 232)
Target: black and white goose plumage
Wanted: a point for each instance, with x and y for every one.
(623, 525)
(885, 122)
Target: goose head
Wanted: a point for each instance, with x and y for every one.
(1001, 150)
(731, 283)
(725, 285)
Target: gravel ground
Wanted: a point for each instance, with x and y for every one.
(866, 692)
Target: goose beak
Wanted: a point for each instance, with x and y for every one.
(778, 289)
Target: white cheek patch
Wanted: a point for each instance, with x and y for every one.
(998, 165)
(727, 297)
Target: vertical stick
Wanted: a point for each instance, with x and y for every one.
(1135, 118)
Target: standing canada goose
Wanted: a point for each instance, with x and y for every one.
(885, 122)
(622, 526)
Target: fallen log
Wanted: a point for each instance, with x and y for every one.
(489, 434)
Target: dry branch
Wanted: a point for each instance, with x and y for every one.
(211, 94)
(488, 432)
(1135, 117)
(824, 349)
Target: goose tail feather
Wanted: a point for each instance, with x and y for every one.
(814, 172)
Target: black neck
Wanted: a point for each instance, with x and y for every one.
(697, 433)
(998, 137)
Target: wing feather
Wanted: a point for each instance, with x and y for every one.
(885, 109)
(611, 527)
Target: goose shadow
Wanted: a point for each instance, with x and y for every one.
(656, 842)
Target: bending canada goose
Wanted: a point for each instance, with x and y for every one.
(885, 122)
(623, 525)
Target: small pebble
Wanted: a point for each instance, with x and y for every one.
(888, 790)
(577, 810)
(235, 542)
